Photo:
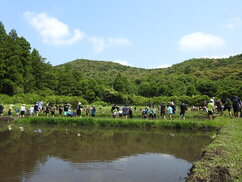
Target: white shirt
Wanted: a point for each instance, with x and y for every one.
(22, 108)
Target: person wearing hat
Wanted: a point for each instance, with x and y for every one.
(210, 109)
(130, 112)
(78, 109)
(22, 110)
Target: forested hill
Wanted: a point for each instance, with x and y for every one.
(104, 70)
(24, 71)
(214, 69)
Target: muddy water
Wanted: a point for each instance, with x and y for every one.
(50, 154)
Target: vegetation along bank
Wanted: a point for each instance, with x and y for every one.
(222, 159)
(130, 123)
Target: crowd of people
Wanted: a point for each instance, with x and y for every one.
(165, 110)
(51, 110)
(211, 107)
(218, 106)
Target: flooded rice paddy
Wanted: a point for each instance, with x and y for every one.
(34, 153)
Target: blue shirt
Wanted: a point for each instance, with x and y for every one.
(170, 110)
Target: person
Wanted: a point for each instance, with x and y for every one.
(31, 110)
(210, 109)
(1, 109)
(125, 111)
(113, 108)
(173, 107)
(144, 113)
(36, 109)
(220, 107)
(52, 111)
(66, 109)
(47, 110)
(70, 113)
(153, 112)
(130, 112)
(163, 110)
(120, 112)
(236, 106)
(183, 109)
(227, 105)
(150, 113)
(87, 111)
(40, 105)
(17, 112)
(22, 110)
(213, 101)
(170, 111)
(10, 110)
(78, 109)
(60, 110)
(93, 111)
(115, 113)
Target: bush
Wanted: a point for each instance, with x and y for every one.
(100, 103)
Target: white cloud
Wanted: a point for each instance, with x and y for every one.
(233, 23)
(125, 63)
(220, 56)
(119, 41)
(200, 41)
(98, 43)
(217, 57)
(52, 30)
(55, 32)
(163, 66)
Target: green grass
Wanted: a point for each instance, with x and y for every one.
(130, 123)
(222, 159)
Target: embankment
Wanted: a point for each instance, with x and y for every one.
(129, 123)
(222, 159)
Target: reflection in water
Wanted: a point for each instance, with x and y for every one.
(143, 167)
(59, 154)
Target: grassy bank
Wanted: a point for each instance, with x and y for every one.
(222, 159)
(130, 123)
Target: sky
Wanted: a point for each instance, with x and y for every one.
(139, 33)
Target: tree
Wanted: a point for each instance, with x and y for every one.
(207, 87)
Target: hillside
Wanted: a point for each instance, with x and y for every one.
(213, 69)
(105, 70)
(221, 77)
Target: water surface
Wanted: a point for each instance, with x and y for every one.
(49, 154)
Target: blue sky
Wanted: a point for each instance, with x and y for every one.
(140, 33)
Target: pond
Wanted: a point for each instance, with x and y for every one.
(34, 153)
